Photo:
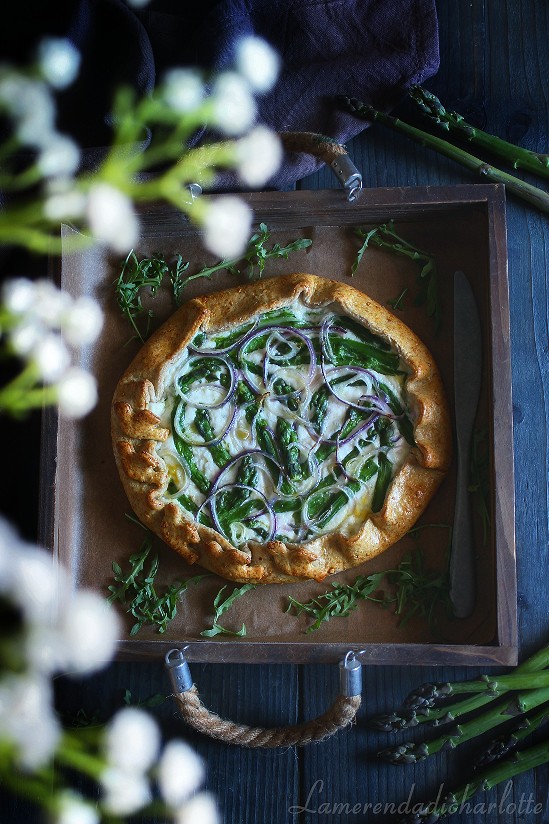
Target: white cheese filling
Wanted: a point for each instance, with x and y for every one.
(242, 476)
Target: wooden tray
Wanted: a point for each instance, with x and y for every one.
(84, 505)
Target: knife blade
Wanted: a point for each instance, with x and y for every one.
(467, 383)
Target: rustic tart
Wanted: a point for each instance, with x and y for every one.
(283, 430)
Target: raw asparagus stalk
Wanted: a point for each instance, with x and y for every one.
(504, 770)
(531, 194)
(418, 707)
(455, 124)
(411, 753)
(499, 747)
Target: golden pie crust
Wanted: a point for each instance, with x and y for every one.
(136, 432)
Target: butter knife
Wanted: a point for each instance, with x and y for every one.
(467, 382)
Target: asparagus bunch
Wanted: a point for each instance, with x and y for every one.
(523, 693)
(531, 194)
(454, 124)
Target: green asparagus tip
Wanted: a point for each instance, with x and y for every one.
(426, 695)
(393, 722)
(407, 753)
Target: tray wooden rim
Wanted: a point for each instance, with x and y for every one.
(286, 209)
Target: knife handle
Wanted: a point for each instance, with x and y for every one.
(462, 559)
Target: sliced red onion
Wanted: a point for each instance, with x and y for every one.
(239, 457)
(210, 501)
(225, 349)
(309, 523)
(231, 369)
(218, 438)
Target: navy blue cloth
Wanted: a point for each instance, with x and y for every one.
(370, 49)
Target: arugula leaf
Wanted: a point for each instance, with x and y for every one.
(385, 237)
(136, 591)
(221, 606)
(135, 276)
(339, 601)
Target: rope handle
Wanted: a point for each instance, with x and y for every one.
(341, 713)
(332, 153)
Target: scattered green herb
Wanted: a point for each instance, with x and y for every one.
(398, 302)
(385, 237)
(479, 483)
(137, 593)
(177, 280)
(412, 590)
(340, 600)
(135, 276)
(221, 606)
(147, 703)
(253, 260)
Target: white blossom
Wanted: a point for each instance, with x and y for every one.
(234, 107)
(124, 793)
(257, 61)
(27, 719)
(50, 303)
(132, 740)
(183, 89)
(59, 61)
(60, 205)
(227, 225)
(73, 809)
(180, 773)
(111, 217)
(76, 393)
(89, 628)
(18, 295)
(36, 581)
(201, 809)
(31, 105)
(25, 336)
(83, 321)
(51, 357)
(58, 156)
(258, 155)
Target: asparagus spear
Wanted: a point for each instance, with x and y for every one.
(531, 194)
(218, 451)
(504, 770)
(500, 746)
(411, 753)
(454, 123)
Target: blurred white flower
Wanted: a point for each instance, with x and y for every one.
(67, 203)
(111, 217)
(59, 61)
(37, 581)
(31, 105)
(27, 719)
(18, 295)
(58, 156)
(89, 628)
(50, 303)
(183, 89)
(257, 61)
(227, 225)
(82, 322)
(25, 336)
(180, 773)
(234, 108)
(76, 393)
(124, 793)
(132, 740)
(201, 809)
(51, 358)
(259, 155)
(73, 809)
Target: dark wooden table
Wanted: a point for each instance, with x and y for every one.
(494, 69)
